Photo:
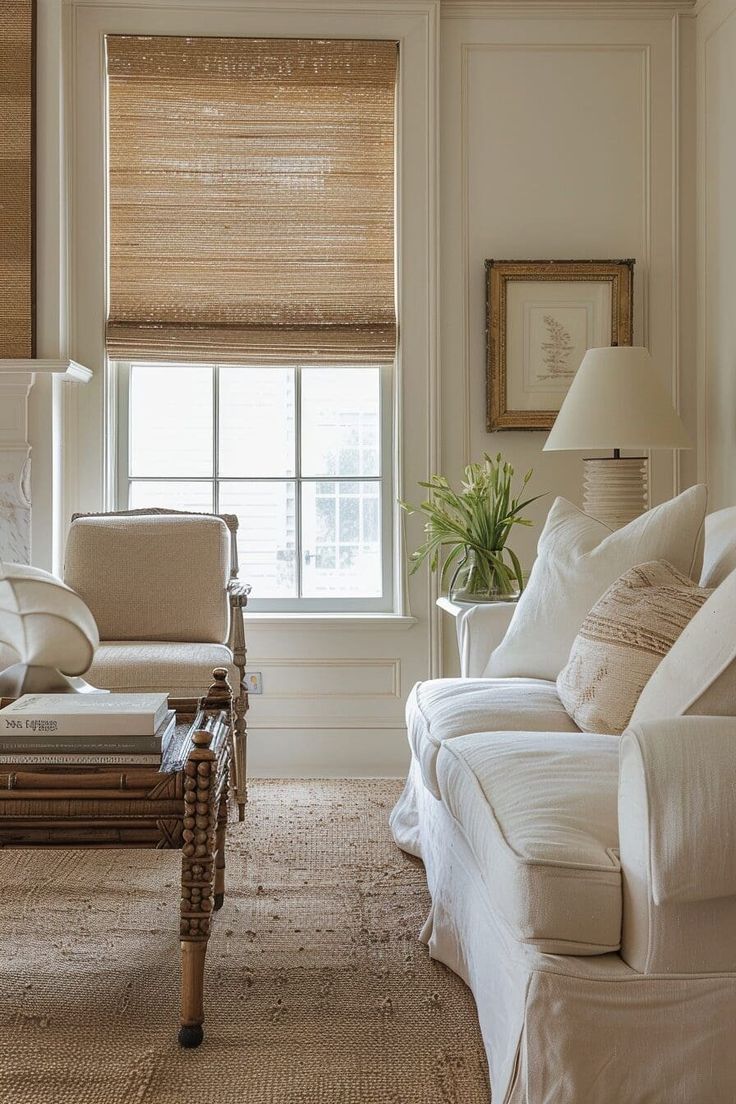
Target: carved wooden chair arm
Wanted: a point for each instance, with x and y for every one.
(238, 592)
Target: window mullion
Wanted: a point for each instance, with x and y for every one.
(216, 438)
(382, 480)
(298, 477)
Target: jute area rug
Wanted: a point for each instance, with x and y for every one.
(317, 989)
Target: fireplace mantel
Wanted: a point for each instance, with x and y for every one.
(16, 379)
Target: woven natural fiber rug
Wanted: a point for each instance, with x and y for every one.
(317, 989)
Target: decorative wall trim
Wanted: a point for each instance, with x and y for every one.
(570, 9)
(330, 724)
(676, 220)
(391, 666)
(726, 13)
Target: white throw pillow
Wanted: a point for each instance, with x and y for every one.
(578, 558)
(622, 641)
(698, 674)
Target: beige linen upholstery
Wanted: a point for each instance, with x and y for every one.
(539, 813)
(502, 848)
(677, 827)
(152, 578)
(162, 585)
(565, 1029)
(443, 709)
(621, 642)
(136, 665)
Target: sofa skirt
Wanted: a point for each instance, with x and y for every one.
(560, 1029)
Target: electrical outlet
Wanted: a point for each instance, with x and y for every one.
(253, 683)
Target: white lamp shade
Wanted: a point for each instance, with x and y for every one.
(44, 621)
(617, 400)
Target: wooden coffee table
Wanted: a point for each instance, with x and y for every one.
(181, 805)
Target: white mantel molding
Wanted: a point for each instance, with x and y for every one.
(66, 370)
(16, 379)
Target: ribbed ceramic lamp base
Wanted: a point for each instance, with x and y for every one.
(615, 491)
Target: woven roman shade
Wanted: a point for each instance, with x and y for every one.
(251, 199)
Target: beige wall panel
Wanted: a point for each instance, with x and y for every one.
(557, 143)
(717, 240)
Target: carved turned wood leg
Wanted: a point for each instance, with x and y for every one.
(240, 748)
(220, 857)
(197, 882)
(220, 696)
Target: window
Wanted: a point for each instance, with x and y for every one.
(302, 455)
(251, 298)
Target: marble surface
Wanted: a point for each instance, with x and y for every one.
(15, 507)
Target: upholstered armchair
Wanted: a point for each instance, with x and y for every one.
(164, 590)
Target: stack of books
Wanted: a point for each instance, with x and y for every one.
(86, 729)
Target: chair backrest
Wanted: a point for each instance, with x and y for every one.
(153, 574)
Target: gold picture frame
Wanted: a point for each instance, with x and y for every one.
(541, 316)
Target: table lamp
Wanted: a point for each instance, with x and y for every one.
(616, 401)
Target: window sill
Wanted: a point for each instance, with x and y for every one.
(331, 620)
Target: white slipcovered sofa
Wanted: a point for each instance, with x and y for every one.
(584, 886)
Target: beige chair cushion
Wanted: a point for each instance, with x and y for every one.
(140, 665)
(622, 641)
(538, 810)
(152, 578)
(442, 709)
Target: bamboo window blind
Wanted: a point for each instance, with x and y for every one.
(17, 266)
(251, 199)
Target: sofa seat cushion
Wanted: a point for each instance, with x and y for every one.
(539, 811)
(443, 709)
(139, 665)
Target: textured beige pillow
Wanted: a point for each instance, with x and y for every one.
(622, 641)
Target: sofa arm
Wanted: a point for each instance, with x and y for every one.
(480, 629)
(677, 838)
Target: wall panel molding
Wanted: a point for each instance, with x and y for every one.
(715, 456)
(344, 674)
(468, 50)
(565, 9)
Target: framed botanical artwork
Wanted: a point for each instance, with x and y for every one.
(542, 316)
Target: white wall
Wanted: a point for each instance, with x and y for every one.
(558, 135)
(716, 126)
(560, 130)
(333, 686)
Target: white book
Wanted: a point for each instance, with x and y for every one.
(84, 715)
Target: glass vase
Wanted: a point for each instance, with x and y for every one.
(476, 580)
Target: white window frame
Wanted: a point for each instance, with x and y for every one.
(296, 604)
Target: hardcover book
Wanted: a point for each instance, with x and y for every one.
(98, 715)
(72, 759)
(34, 742)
